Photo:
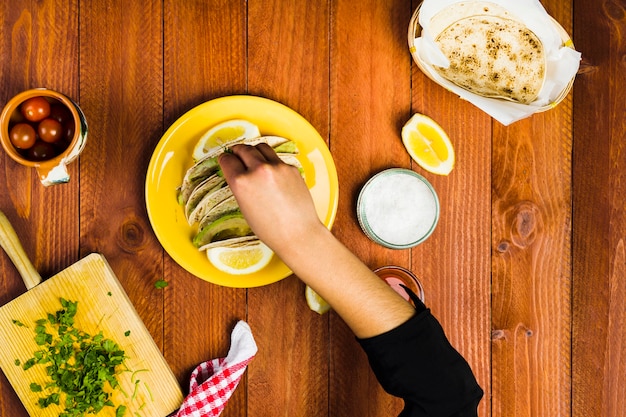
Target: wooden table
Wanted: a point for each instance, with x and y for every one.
(526, 270)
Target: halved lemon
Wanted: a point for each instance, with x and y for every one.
(428, 144)
(240, 260)
(315, 302)
(224, 133)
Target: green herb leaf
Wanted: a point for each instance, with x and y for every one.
(160, 284)
(82, 369)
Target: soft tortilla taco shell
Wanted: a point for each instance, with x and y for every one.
(227, 206)
(235, 242)
(208, 202)
(493, 57)
(208, 185)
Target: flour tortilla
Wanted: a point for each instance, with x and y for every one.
(208, 202)
(228, 205)
(235, 242)
(210, 184)
(206, 197)
(457, 11)
(492, 55)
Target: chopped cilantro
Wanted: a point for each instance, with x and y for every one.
(127, 333)
(82, 368)
(120, 411)
(160, 284)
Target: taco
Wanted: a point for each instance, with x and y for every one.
(228, 205)
(234, 242)
(204, 187)
(208, 201)
(491, 53)
(226, 227)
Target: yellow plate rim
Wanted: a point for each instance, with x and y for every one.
(173, 155)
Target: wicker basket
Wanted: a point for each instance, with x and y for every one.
(415, 30)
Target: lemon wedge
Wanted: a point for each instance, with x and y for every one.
(315, 302)
(240, 260)
(428, 144)
(224, 133)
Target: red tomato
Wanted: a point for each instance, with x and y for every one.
(23, 136)
(61, 145)
(69, 128)
(35, 109)
(41, 151)
(50, 130)
(60, 113)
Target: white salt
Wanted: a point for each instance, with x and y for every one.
(399, 208)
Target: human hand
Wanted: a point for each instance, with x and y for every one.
(272, 195)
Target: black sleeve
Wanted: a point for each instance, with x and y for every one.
(417, 363)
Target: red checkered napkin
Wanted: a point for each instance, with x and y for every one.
(213, 382)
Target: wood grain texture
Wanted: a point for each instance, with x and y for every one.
(39, 48)
(204, 57)
(454, 263)
(599, 273)
(121, 95)
(288, 52)
(525, 270)
(370, 101)
(531, 291)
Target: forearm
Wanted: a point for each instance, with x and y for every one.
(365, 302)
(278, 207)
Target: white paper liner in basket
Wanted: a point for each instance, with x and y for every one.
(562, 60)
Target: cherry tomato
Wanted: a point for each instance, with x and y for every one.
(50, 130)
(61, 145)
(23, 136)
(60, 113)
(69, 129)
(17, 117)
(41, 151)
(35, 109)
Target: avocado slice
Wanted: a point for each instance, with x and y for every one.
(287, 147)
(226, 227)
(203, 168)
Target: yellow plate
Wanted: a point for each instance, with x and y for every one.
(173, 156)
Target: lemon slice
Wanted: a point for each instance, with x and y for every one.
(240, 260)
(224, 133)
(428, 144)
(315, 302)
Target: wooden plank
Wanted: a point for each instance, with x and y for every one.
(454, 263)
(370, 101)
(39, 48)
(531, 293)
(121, 95)
(41, 36)
(288, 52)
(204, 58)
(599, 216)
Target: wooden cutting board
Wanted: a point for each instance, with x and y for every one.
(149, 388)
